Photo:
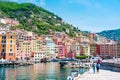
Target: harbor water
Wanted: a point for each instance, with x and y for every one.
(38, 71)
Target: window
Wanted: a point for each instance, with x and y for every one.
(3, 41)
(10, 54)
(2, 50)
(77, 48)
(3, 37)
(11, 37)
(10, 50)
(10, 41)
(2, 45)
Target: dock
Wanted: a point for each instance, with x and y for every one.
(102, 75)
(15, 64)
(8, 64)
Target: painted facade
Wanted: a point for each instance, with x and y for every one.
(70, 49)
(108, 50)
(8, 46)
(51, 45)
(85, 48)
(39, 50)
(93, 49)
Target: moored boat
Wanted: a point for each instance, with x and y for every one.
(73, 74)
(65, 61)
(54, 60)
(45, 60)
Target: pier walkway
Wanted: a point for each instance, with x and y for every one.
(102, 75)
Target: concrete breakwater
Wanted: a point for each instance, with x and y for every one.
(8, 64)
(14, 64)
(114, 66)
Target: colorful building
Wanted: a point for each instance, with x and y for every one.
(51, 45)
(108, 50)
(10, 22)
(24, 41)
(8, 45)
(98, 49)
(39, 50)
(85, 48)
(61, 50)
(70, 48)
(77, 48)
(93, 49)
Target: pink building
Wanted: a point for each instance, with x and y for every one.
(70, 49)
(61, 50)
(10, 22)
(59, 39)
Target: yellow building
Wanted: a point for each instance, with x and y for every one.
(39, 50)
(93, 49)
(24, 50)
(8, 46)
(85, 48)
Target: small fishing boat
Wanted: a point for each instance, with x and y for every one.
(65, 61)
(54, 60)
(73, 75)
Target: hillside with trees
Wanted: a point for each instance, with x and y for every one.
(36, 19)
(111, 34)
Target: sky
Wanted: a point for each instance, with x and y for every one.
(87, 15)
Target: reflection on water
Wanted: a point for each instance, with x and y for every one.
(40, 71)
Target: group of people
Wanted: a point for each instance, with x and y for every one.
(96, 65)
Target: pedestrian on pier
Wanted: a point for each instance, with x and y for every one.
(98, 65)
(94, 67)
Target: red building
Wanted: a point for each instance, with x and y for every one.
(98, 49)
(108, 50)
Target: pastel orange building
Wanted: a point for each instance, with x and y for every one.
(8, 46)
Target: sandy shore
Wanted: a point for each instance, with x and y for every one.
(102, 75)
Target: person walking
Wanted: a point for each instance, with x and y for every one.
(98, 65)
(94, 67)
